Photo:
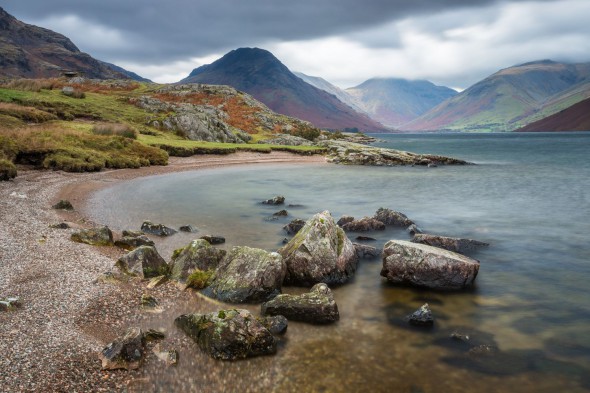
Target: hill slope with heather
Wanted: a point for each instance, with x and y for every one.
(510, 98)
(574, 118)
(260, 74)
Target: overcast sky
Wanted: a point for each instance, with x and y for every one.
(450, 42)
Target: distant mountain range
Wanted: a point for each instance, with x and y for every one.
(510, 98)
(28, 51)
(260, 74)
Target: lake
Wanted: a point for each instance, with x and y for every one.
(528, 196)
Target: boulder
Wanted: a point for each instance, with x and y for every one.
(187, 228)
(198, 254)
(363, 251)
(144, 262)
(454, 244)
(281, 213)
(391, 217)
(94, 236)
(278, 200)
(248, 275)
(421, 317)
(157, 229)
(365, 224)
(228, 334)
(316, 306)
(421, 265)
(131, 243)
(276, 324)
(319, 252)
(213, 239)
(345, 220)
(63, 205)
(294, 226)
(125, 352)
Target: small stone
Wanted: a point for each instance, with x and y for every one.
(125, 352)
(294, 226)
(157, 229)
(421, 317)
(61, 225)
(153, 335)
(9, 303)
(413, 229)
(63, 205)
(278, 200)
(148, 301)
(188, 228)
(157, 281)
(213, 239)
(365, 238)
(281, 213)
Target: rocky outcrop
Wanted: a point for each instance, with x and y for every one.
(94, 236)
(421, 317)
(125, 352)
(287, 140)
(131, 243)
(340, 152)
(454, 244)
(278, 200)
(228, 334)
(157, 229)
(144, 262)
(199, 254)
(416, 264)
(319, 252)
(248, 275)
(317, 306)
(365, 224)
(391, 217)
(294, 226)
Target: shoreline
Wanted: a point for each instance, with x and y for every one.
(52, 340)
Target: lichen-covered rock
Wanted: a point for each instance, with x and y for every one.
(198, 254)
(144, 262)
(391, 217)
(228, 334)
(125, 352)
(157, 229)
(316, 306)
(278, 200)
(365, 224)
(248, 275)
(213, 239)
(454, 244)
(94, 236)
(294, 226)
(63, 205)
(417, 264)
(131, 243)
(421, 317)
(319, 252)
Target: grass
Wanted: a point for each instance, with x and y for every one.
(42, 127)
(199, 279)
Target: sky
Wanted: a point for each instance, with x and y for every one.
(453, 43)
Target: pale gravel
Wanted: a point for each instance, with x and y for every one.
(50, 343)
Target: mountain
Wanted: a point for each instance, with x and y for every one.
(260, 74)
(326, 86)
(395, 102)
(510, 98)
(28, 51)
(128, 74)
(574, 118)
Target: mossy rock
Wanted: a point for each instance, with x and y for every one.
(197, 255)
(144, 261)
(94, 236)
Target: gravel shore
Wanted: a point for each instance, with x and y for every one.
(51, 341)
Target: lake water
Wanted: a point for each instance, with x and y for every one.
(528, 196)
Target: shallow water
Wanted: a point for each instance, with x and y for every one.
(528, 196)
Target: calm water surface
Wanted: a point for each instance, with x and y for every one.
(528, 196)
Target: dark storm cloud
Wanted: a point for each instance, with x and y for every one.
(158, 31)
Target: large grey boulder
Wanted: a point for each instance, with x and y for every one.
(248, 275)
(198, 254)
(94, 236)
(317, 306)
(454, 244)
(144, 262)
(228, 334)
(391, 217)
(410, 263)
(319, 252)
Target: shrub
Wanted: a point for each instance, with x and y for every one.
(308, 132)
(117, 129)
(8, 148)
(74, 160)
(7, 170)
(199, 279)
